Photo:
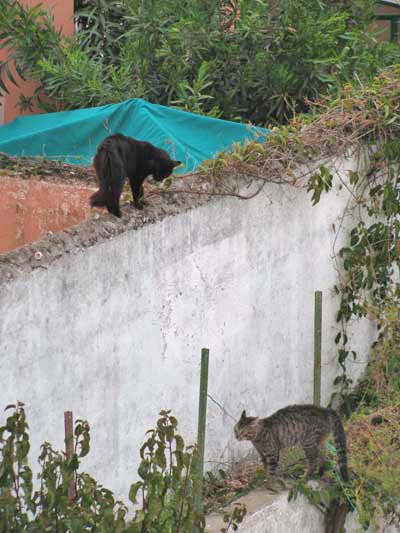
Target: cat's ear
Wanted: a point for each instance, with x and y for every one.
(243, 415)
(177, 163)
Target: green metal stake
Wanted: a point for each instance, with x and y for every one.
(201, 432)
(317, 346)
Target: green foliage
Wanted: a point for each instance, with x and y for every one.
(371, 259)
(28, 34)
(99, 28)
(369, 263)
(168, 482)
(319, 182)
(167, 486)
(372, 437)
(24, 508)
(254, 60)
(234, 518)
(193, 98)
(66, 73)
(98, 83)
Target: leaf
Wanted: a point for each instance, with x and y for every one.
(134, 490)
(353, 177)
(143, 469)
(179, 443)
(22, 448)
(160, 458)
(84, 445)
(73, 464)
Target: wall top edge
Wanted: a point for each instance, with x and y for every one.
(76, 239)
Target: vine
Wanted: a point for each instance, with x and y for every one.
(362, 121)
(369, 263)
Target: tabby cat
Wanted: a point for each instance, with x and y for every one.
(307, 426)
(118, 157)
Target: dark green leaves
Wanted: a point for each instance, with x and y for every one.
(167, 487)
(168, 475)
(319, 182)
(134, 490)
(23, 508)
(82, 436)
(260, 63)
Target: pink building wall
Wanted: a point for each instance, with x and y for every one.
(63, 12)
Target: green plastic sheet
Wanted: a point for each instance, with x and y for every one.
(72, 136)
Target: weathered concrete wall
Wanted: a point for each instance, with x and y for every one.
(111, 328)
(300, 516)
(282, 516)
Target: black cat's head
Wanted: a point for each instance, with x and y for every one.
(246, 428)
(163, 167)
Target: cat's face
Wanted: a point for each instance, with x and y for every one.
(162, 168)
(246, 428)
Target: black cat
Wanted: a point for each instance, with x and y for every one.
(118, 157)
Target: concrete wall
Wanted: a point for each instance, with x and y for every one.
(280, 515)
(111, 328)
(301, 516)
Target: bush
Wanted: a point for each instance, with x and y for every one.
(254, 60)
(167, 486)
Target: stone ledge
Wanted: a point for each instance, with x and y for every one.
(43, 252)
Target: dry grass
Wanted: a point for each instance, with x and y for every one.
(374, 448)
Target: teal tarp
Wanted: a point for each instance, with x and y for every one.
(72, 136)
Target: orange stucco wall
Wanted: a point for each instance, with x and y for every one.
(63, 12)
(30, 209)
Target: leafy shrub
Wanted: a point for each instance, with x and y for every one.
(168, 482)
(167, 486)
(252, 60)
(24, 508)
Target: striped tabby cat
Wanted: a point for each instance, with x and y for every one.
(307, 426)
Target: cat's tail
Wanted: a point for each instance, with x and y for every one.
(109, 170)
(340, 442)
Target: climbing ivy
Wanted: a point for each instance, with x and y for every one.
(369, 263)
(363, 120)
(368, 287)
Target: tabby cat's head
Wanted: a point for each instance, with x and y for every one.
(246, 428)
